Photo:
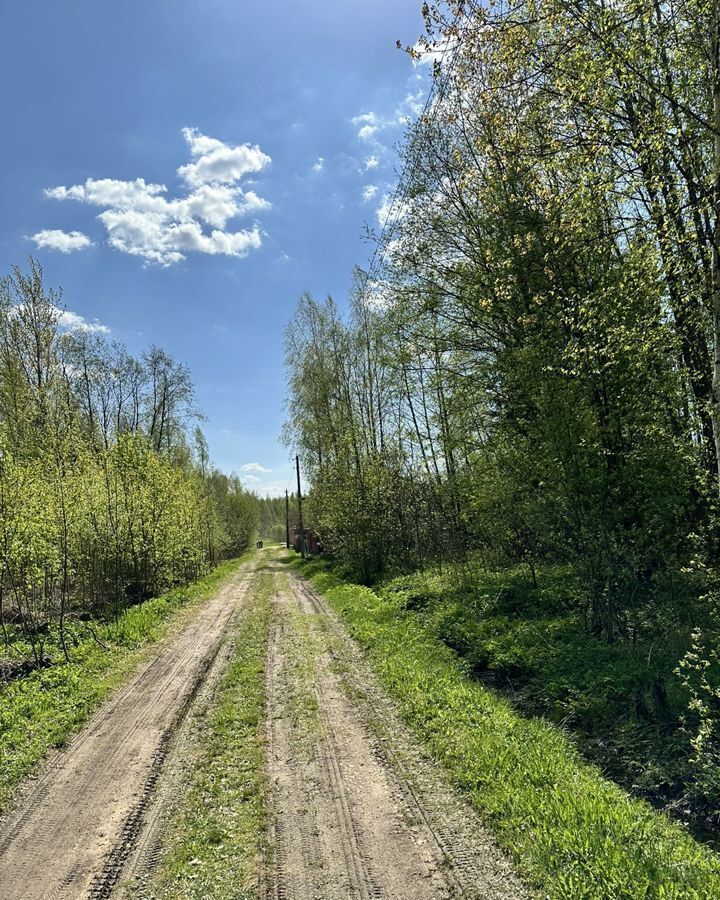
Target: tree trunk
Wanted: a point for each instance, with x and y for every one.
(716, 232)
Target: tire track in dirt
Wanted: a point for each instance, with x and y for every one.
(355, 808)
(182, 757)
(472, 861)
(74, 830)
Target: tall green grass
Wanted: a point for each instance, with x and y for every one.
(43, 709)
(572, 833)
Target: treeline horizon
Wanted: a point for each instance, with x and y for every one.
(529, 374)
(107, 492)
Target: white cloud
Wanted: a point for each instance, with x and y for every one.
(411, 107)
(215, 204)
(64, 241)
(219, 163)
(254, 467)
(140, 219)
(369, 192)
(273, 489)
(252, 479)
(367, 125)
(73, 322)
(371, 124)
(427, 53)
(69, 320)
(319, 165)
(365, 119)
(367, 132)
(372, 162)
(157, 239)
(391, 209)
(136, 194)
(377, 295)
(383, 211)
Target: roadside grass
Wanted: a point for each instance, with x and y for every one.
(45, 708)
(216, 838)
(621, 702)
(572, 833)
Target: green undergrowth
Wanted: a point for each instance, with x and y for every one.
(215, 842)
(45, 708)
(621, 702)
(573, 833)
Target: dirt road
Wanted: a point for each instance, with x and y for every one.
(355, 808)
(74, 830)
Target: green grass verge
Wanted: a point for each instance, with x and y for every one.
(44, 709)
(216, 839)
(572, 833)
(621, 702)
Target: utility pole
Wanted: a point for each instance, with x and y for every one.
(302, 527)
(287, 520)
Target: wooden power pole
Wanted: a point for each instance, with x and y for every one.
(302, 527)
(287, 521)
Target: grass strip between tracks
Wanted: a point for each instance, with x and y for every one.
(44, 709)
(573, 834)
(216, 839)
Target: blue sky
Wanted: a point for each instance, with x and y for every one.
(272, 128)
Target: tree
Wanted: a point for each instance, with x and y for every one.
(101, 503)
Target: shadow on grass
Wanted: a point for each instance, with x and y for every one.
(620, 704)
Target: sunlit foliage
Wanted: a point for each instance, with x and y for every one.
(103, 503)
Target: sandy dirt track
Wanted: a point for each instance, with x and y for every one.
(355, 808)
(73, 831)
(357, 811)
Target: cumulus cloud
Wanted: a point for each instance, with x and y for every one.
(383, 211)
(367, 125)
(377, 295)
(372, 162)
(73, 322)
(369, 191)
(273, 489)
(141, 220)
(64, 241)
(319, 165)
(254, 467)
(69, 320)
(366, 132)
(252, 479)
(391, 210)
(411, 107)
(370, 125)
(369, 118)
(218, 163)
(428, 53)
(157, 239)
